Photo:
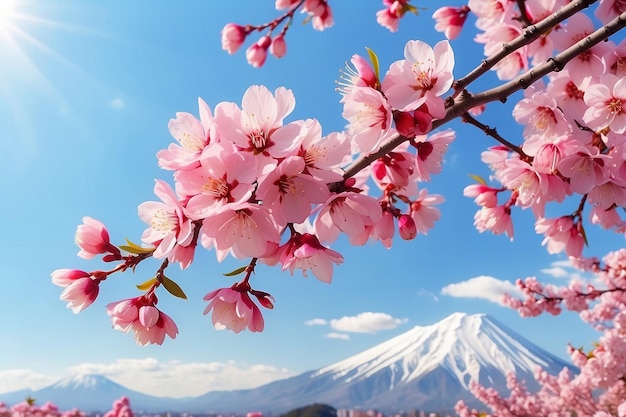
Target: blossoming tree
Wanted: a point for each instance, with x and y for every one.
(251, 184)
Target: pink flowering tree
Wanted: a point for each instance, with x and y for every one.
(29, 408)
(251, 183)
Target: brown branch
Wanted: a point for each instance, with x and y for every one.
(461, 105)
(530, 34)
(489, 131)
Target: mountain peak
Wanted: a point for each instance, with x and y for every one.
(82, 380)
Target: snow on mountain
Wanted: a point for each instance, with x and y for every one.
(427, 368)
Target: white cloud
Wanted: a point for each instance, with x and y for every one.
(179, 379)
(484, 287)
(117, 104)
(334, 335)
(366, 322)
(556, 272)
(423, 291)
(19, 379)
(150, 376)
(316, 322)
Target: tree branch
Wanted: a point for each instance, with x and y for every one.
(530, 34)
(462, 104)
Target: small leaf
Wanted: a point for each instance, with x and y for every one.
(478, 179)
(173, 288)
(374, 59)
(235, 272)
(411, 8)
(145, 286)
(135, 249)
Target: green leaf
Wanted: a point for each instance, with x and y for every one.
(478, 179)
(411, 8)
(235, 272)
(135, 249)
(374, 59)
(146, 285)
(173, 288)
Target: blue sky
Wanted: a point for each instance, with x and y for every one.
(86, 91)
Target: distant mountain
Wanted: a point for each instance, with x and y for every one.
(427, 368)
(90, 393)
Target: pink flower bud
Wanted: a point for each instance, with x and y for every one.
(405, 124)
(92, 238)
(233, 36)
(278, 48)
(406, 227)
(257, 53)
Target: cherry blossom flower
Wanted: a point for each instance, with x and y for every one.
(168, 224)
(585, 169)
(258, 126)
(542, 119)
(192, 135)
(450, 20)
(81, 288)
(322, 14)
(390, 16)
(496, 219)
(121, 408)
(140, 315)
(305, 252)
(288, 192)
(423, 210)
(607, 104)
(406, 227)
(369, 115)
(360, 74)
(430, 153)
(233, 36)
(609, 9)
(246, 229)
(92, 238)
(224, 176)
(561, 234)
(395, 168)
(323, 156)
(484, 195)
(233, 310)
(346, 212)
(421, 78)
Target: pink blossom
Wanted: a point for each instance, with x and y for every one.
(140, 315)
(289, 192)
(561, 234)
(81, 288)
(423, 210)
(369, 115)
(423, 76)
(323, 156)
(248, 230)
(346, 212)
(496, 219)
(607, 10)
(607, 104)
(224, 176)
(322, 14)
(542, 119)
(585, 169)
(121, 408)
(360, 74)
(257, 52)
(192, 135)
(450, 20)
(233, 36)
(93, 239)
(395, 168)
(494, 36)
(278, 48)
(258, 126)
(233, 310)
(305, 252)
(430, 153)
(484, 195)
(168, 224)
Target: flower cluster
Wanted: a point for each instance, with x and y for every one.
(252, 185)
(28, 408)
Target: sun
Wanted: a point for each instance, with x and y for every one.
(7, 12)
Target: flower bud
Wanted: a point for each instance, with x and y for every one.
(233, 36)
(406, 227)
(278, 48)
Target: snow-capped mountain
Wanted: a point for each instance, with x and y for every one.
(89, 392)
(427, 368)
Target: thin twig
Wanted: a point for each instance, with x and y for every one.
(530, 34)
